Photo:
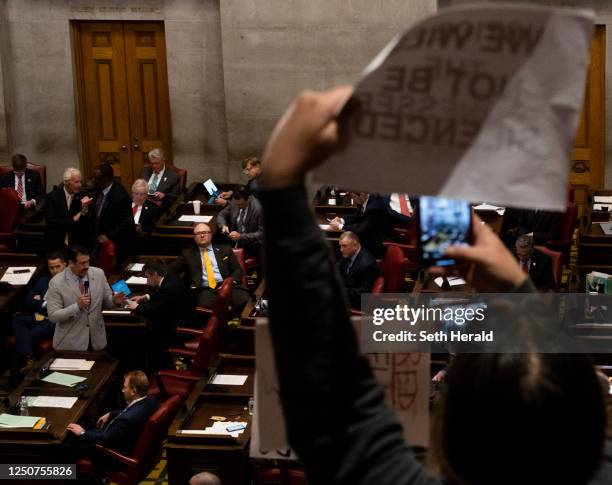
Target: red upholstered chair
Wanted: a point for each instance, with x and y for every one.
(41, 169)
(297, 476)
(378, 286)
(557, 263)
(107, 259)
(393, 269)
(239, 253)
(132, 469)
(10, 212)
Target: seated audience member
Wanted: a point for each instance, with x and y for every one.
(120, 429)
(164, 184)
(33, 326)
(144, 212)
(372, 223)
(207, 266)
(65, 209)
(166, 307)
(536, 264)
(241, 222)
(112, 217)
(204, 478)
(494, 404)
(75, 300)
(541, 225)
(25, 181)
(357, 268)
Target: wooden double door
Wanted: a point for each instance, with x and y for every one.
(122, 82)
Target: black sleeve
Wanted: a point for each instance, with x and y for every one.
(337, 419)
(35, 191)
(53, 217)
(234, 267)
(123, 225)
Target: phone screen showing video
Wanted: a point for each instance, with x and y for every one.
(443, 223)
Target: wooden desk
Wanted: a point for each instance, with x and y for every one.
(44, 446)
(10, 296)
(235, 365)
(224, 456)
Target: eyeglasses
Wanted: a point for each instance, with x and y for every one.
(201, 233)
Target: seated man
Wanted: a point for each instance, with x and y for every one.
(536, 264)
(26, 182)
(207, 266)
(121, 429)
(541, 225)
(145, 213)
(34, 326)
(241, 221)
(164, 184)
(166, 307)
(65, 211)
(372, 222)
(357, 268)
(251, 166)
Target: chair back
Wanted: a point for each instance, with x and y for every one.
(10, 210)
(41, 169)
(378, 286)
(239, 253)
(147, 451)
(557, 263)
(107, 259)
(205, 352)
(182, 173)
(392, 269)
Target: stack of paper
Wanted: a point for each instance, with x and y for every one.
(63, 379)
(603, 199)
(136, 267)
(136, 280)
(452, 281)
(218, 428)
(187, 218)
(51, 401)
(72, 364)
(229, 380)
(18, 275)
(488, 207)
(10, 421)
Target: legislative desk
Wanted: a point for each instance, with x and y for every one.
(29, 446)
(11, 295)
(225, 456)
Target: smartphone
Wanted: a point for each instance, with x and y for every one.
(442, 223)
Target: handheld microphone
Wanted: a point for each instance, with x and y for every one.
(86, 285)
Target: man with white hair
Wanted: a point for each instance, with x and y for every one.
(144, 212)
(64, 209)
(163, 183)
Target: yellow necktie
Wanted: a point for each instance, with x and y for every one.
(210, 275)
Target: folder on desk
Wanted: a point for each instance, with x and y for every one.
(11, 421)
(63, 379)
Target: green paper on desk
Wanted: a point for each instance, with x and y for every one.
(63, 379)
(10, 421)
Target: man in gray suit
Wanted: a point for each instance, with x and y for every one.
(164, 184)
(75, 300)
(241, 222)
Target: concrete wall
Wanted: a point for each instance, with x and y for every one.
(603, 12)
(272, 49)
(37, 77)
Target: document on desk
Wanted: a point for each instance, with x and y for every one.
(488, 207)
(219, 428)
(63, 379)
(72, 364)
(606, 227)
(52, 402)
(476, 102)
(188, 218)
(136, 280)
(11, 421)
(229, 380)
(18, 275)
(603, 199)
(325, 227)
(136, 267)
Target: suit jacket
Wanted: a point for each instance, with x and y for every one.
(124, 426)
(31, 305)
(541, 271)
(32, 183)
(190, 261)
(60, 221)
(360, 276)
(546, 226)
(169, 184)
(170, 304)
(373, 226)
(74, 328)
(253, 222)
(116, 220)
(148, 216)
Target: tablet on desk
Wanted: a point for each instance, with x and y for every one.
(211, 188)
(121, 287)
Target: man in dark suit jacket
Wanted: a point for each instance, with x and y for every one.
(241, 222)
(112, 215)
(144, 212)
(121, 429)
(372, 223)
(167, 306)
(357, 267)
(164, 184)
(541, 225)
(26, 182)
(538, 265)
(65, 213)
(221, 263)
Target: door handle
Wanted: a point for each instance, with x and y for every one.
(124, 147)
(136, 146)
